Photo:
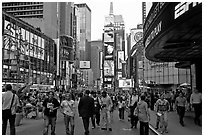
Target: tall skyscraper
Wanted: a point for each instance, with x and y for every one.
(114, 48)
(96, 47)
(85, 31)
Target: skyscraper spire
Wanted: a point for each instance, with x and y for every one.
(111, 8)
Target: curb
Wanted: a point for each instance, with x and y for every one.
(154, 130)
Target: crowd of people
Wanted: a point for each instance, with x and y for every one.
(98, 106)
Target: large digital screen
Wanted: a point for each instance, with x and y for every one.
(109, 50)
(108, 68)
(84, 65)
(120, 59)
(125, 83)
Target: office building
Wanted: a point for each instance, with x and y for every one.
(85, 31)
(41, 15)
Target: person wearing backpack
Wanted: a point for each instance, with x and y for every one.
(10, 103)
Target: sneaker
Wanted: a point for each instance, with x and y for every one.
(162, 132)
(98, 125)
(110, 129)
(166, 131)
(93, 127)
(103, 128)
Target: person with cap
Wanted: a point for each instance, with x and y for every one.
(86, 109)
(106, 105)
(10, 103)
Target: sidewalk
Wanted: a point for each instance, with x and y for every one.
(174, 127)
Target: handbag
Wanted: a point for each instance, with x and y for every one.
(7, 112)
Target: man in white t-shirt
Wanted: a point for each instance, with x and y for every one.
(68, 108)
(132, 103)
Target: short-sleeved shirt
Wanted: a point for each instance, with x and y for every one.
(162, 105)
(181, 101)
(142, 110)
(50, 103)
(68, 107)
(6, 102)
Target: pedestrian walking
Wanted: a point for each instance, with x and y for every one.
(86, 109)
(162, 108)
(180, 104)
(96, 114)
(196, 102)
(68, 110)
(10, 103)
(50, 106)
(106, 106)
(142, 111)
(132, 105)
(121, 108)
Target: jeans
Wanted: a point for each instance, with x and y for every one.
(95, 119)
(133, 118)
(198, 112)
(144, 128)
(121, 112)
(67, 120)
(11, 119)
(49, 121)
(181, 113)
(86, 124)
(106, 118)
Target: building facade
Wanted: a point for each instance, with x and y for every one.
(85, 31)
(96, 47)
(28, 56)
(41, 15)
(176, 37)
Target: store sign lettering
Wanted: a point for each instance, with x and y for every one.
(153, 14)
(15, 39)
(153, 34)
(183, 7)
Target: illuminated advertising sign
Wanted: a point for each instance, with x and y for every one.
(108, 34)
(101, 60)
(125, 83)
(26, 42)
(84, 65)
(108, 50)
(109, 21)
(136, 35)
(120, 59)
(66, 44)
(108, 68)
(166, 15)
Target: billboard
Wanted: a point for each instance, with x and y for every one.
(84, 65)
(136, 35)
(120, 59)
(108, 50)
(108, 68)
(108, 34)
(109, 21)
(101, 60)
(125, 83)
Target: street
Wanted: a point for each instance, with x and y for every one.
(35, 127)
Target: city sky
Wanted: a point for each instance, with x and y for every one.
(131, 10)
